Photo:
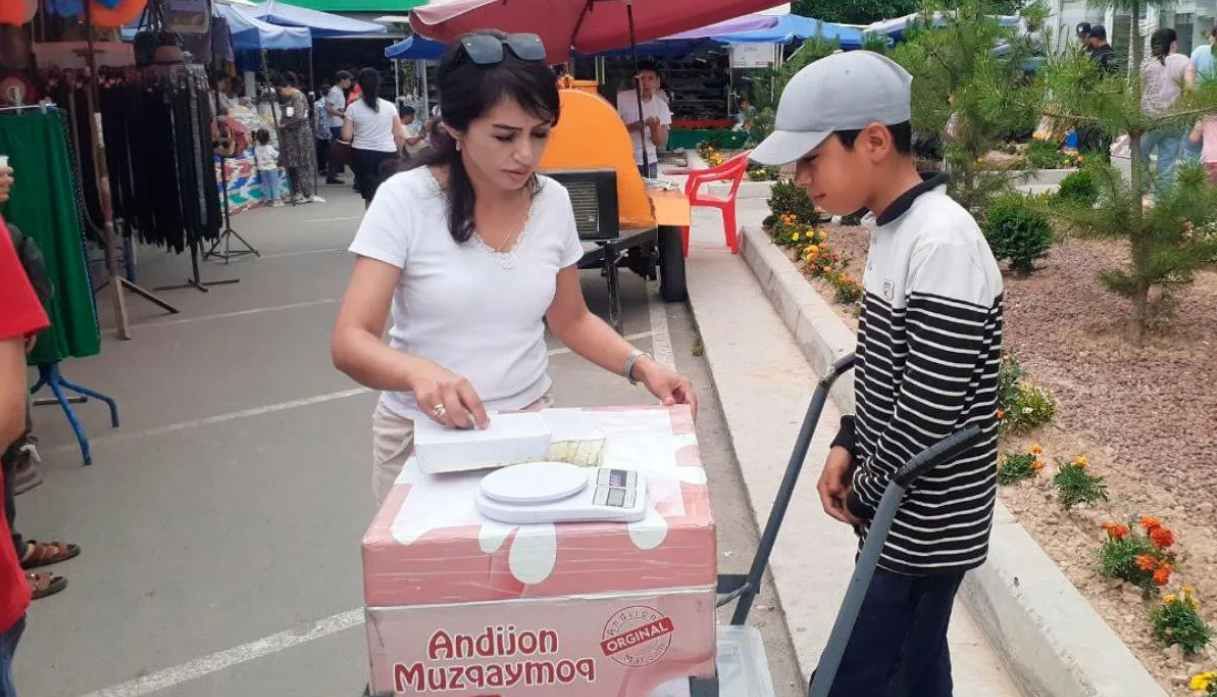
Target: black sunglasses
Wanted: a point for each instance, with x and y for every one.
(486, 49)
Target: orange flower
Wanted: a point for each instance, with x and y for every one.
(1162, 537)
(1001, 414)
(1081, 461)
(1037, 465)
(1150, 523)
(1036, 450)
(1108, 526)
(1121, 532)
(1163, 575)
(1146, 562)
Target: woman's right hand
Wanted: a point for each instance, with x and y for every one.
(448, 398)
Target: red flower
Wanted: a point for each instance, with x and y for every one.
(1120, 532)
(1146, 562)
(1150, 523)
(1162, 537)
(1163, 575)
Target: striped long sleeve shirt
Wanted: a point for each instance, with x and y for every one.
(929, 348)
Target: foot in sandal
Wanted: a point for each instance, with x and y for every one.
(38, 554)
(43, 584)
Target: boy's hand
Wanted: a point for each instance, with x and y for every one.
(835, 483)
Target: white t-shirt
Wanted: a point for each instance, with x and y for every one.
(373, 129)
(1163, 83)
(627, 107)
(267, 157)
(337, 99)
(464, 306)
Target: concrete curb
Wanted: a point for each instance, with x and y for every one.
(1054, 642)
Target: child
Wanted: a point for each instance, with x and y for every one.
(267, 157)
(929, 346)
(1205, 135)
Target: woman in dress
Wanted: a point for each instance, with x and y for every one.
(297, 153)
(375, 133)
(467, 257)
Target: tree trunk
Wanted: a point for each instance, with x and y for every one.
(1140, 251)
(1140, 315)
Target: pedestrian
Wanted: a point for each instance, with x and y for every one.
(296, 149)
(1203, 67)
(375, 133)
(335, 108)
(929, 347)
(467, 257)
(267, 158)
(21, 316)
(1204, 137)
(321, 131)
(1092, 140)
(416, 135)
(654, 120)
(1163, 75)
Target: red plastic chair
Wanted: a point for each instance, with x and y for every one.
(732, 170)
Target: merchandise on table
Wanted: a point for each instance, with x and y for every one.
(460, 604)
(244, 186)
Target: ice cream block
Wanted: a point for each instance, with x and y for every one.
(511, 439)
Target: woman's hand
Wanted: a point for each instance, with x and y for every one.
(668, 386)
(447, 398)
(6, 183)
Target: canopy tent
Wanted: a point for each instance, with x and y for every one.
(394, 6)
(894, 28)
(788, 29)
(320, 24)
(250, 33)
(415, 48)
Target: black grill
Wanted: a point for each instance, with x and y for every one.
(593, 194)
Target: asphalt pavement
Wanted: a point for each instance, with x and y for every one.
(221, 522)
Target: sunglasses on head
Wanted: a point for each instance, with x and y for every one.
(486, 49)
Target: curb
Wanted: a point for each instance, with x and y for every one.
(1054, 642)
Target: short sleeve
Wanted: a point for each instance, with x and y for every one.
(387, 227)
(572, 248)
(665, 114)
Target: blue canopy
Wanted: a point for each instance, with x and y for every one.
(249, 33)
(791, 28)
(321, 24)
(418, 47)
(415, 48)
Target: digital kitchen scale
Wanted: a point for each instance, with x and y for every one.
(554, 492)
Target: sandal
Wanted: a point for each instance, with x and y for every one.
(40, 554)
(44, 584)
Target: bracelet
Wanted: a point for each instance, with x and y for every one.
(630, 362)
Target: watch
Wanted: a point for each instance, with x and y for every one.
(631, 361)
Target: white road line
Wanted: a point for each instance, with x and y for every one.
(661, 338)
(222, 660)
(238, 313)
(218, 419)
(332, 220)
(306, 252)
(631, 337)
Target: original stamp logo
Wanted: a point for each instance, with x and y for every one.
(637, 636)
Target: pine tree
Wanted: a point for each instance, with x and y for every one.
(958, 69)
(1173, 238)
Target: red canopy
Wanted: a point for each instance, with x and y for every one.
(590, 26)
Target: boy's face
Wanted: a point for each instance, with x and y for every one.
(838, 179)
(650, 83)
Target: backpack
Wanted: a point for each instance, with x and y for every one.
(34, 264)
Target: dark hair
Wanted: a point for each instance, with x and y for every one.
(902, 137)
(406, 110)
(341, 75)
(284, 79)
(648, 66)
(1099, 32)
(466, 92)
(262, 136)
(369, 83)
(1213, 32)
(1160, 43)
(325, 88)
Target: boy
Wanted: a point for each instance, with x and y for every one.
(654, 122)
(929, 346)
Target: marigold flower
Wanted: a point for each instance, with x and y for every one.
(1163, 575)
(1189, 591)
(1161, 537)
(1121, 532)
(1170, 599)
(1081, 461)
(795, 237)
(1202, 681)
(1108, 526)
(1001, 414)
(813, 249)
(1150, 523)
(1036, 450)
(1146, 562)
(1037, 465)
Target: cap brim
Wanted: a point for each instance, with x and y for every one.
(784, 147)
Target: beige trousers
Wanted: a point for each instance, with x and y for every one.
(393, 444)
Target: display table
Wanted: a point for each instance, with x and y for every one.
(459, 603)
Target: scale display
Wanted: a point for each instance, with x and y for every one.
(553, 492)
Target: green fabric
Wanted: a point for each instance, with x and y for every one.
(43, 205)
(680, 139)
(342, 6)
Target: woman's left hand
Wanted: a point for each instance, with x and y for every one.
(668, 386)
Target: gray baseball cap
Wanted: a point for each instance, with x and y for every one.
(842, 92)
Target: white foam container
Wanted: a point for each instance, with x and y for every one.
(511, 439)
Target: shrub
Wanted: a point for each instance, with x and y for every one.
(1032, 407)
(1009, 376)
(1017, 233)
(1134, 555)
(1017, 467)
(1077, 486)
(1044, 154)
(758, 173)
(849, 290)
(786, 198)
(1079, 187)
(1177, 622)
(788, 231)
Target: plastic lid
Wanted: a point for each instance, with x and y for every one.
(534, 483)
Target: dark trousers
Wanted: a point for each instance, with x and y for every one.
(651, 171)
(332, 169)
(899, 644)
(8, 647)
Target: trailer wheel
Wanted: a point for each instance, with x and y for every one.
(671, 266)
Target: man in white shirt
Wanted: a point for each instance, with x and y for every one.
(654, 121)
(335, 109)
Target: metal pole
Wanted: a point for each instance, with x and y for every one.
(642, 134)
(422, 69)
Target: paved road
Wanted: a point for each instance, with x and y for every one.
(221, 523)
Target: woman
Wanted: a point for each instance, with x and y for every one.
(375, 133)
(470, 254)
(1163, 74)
(297, 152)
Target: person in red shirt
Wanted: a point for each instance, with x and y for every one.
(21, 315)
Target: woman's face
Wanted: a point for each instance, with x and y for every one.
(505, 145)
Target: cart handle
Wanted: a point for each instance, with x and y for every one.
(943, 451)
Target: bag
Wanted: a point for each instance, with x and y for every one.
(34, 264)
(340, 154)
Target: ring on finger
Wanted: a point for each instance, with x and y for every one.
(439, 411)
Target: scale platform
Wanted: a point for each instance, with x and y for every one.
(557, 492)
